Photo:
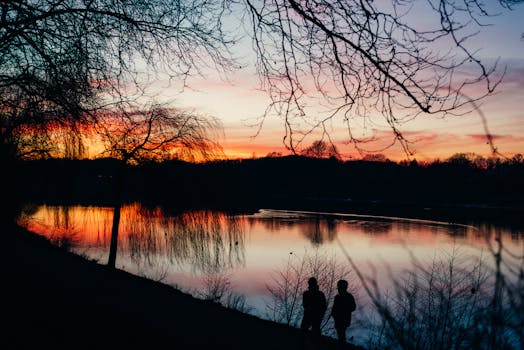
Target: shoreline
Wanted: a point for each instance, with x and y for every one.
(56, 299)
(456, 213)
(61, 300)
(452, 213)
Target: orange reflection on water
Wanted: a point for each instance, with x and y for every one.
(89, 226)
(209, 240)
(146, 231)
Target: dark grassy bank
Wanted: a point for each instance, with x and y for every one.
(57, 300)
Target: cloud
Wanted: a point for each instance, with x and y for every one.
(483, 137)
(495, 137)
(421, 136)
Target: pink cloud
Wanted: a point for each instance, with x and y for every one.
(483, 137)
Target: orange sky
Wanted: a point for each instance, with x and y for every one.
(239, 104)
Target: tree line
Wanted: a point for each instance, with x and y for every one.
(461, 181)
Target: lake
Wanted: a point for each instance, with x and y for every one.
(248, 261)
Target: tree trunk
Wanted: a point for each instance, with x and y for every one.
(114, 236)
(119, 179)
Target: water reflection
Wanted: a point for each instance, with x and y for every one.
(202, 251)
(212, 241)
(208, 241)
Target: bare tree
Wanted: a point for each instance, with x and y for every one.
(135, 136)
(375, 157)
(76, 56)
(321, 149)
(218, 288)
(62, 60)
(504, 321)
(369, 62)
(33, 127)
(158, 132)
(455, 301)
(289, 283)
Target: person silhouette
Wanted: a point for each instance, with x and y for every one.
(343, 306)
(314, 304)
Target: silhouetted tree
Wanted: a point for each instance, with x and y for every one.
(274, 154)
(73, 56)
(135, 136)
(63, 61)
(453, 302)
(218, 289)
(321, 149)
(462, 159)
(517, 159)
(375, 157)
(368, 60)
(288, 284)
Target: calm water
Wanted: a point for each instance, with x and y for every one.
(212, 253)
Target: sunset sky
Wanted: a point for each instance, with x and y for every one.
(238, 103)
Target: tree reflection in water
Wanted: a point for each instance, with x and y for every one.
(208, 241)
(317, 229)
(211, 241)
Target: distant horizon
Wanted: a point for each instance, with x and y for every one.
(376, 157)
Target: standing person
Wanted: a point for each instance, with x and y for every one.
(314, 303)
(343, 306)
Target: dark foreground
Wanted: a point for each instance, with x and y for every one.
(56, 300)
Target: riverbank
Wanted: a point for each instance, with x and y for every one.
(55, 299)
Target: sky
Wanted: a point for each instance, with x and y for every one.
(239, 103)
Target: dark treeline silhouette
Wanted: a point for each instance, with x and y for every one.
(485, 189)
